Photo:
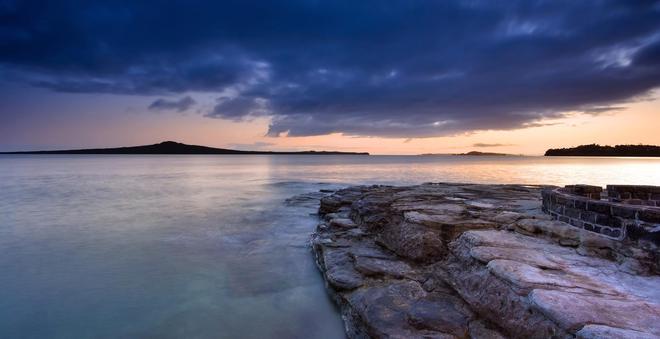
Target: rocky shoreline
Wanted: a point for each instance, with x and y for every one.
(475, 261)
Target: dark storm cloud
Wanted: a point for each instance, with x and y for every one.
(179, 105)
(394, 69)
(649, 55)
(239, 108)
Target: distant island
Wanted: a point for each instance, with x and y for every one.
(595, 150)
(471, 153)
(171, 147)
(477, 153)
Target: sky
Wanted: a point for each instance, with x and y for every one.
(386, 77)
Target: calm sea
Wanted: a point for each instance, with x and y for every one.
(204, 246)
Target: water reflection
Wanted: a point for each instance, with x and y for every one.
(484, 169)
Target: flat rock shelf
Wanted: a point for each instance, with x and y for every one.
(478, 261)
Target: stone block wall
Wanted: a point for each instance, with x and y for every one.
(634, 194)
(587, 191)
(615, 220)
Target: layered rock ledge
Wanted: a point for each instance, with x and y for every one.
(477, 261)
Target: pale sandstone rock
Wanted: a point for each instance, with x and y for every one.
(565, 234)
(431, 220)
(524, 277)
(439, 208)
(481, 204)
(486, 254)
(600, 331)
(564, 275)
(436, 261)
(507, 217)
(573, 311)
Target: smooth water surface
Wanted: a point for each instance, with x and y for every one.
(204, 246)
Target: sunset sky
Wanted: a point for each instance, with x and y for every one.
(386, 77)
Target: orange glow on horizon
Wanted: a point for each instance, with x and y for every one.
(636, 124)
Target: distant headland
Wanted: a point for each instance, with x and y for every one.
(171, 147)
(471, 153)
(595, 150)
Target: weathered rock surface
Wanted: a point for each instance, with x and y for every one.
(474, 261)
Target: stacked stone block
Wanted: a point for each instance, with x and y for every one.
(587, 191)
(616, 220)
(634, 194)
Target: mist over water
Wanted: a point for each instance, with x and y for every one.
(204, 246)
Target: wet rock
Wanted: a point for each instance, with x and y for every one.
(412, 241)
(405, 310)
(479, 330)
(330, 216)
(440, 313)
(340, 271)
(342, 223)
(370, 266)
(343, 279)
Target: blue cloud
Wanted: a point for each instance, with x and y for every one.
(180, 105)
(394, 69)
